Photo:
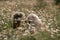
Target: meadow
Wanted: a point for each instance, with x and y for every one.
(45, 9)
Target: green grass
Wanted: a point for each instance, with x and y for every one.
(45, 12)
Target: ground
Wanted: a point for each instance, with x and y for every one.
(46, 11)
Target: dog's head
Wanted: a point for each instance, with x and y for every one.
(32, 18)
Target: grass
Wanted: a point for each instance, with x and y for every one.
(48, 13)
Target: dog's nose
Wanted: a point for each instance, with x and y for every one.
(29, 21)
(25, 21)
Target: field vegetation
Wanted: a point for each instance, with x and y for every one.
(45, 9)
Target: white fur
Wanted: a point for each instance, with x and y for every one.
(34, 18)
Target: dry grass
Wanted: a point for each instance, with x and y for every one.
(47, 12)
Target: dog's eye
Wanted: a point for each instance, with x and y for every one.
(18, 19)
(25, 21)
(20, 15)
(30, 21)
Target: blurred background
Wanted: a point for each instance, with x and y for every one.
(47, 10)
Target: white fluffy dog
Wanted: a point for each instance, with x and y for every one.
(33, 18)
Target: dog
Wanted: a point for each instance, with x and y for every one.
(32, 18)
(17, 19)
